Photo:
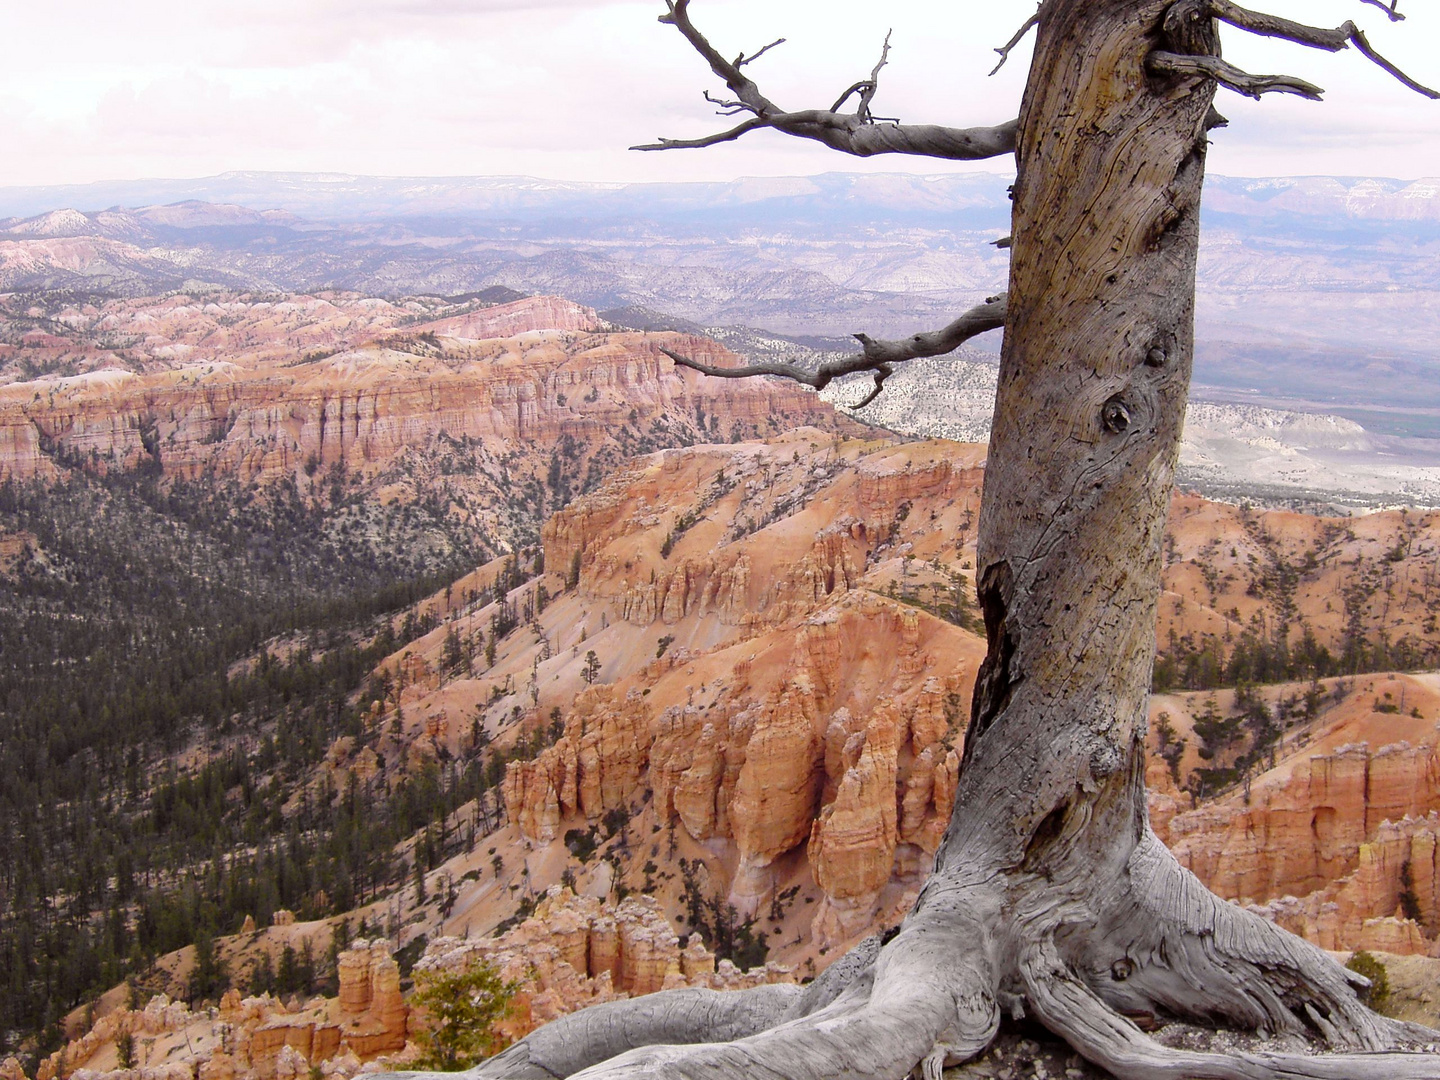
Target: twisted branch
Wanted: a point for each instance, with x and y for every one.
(1229, 76)
(1265, 25)
(859, 133)
(876, 356)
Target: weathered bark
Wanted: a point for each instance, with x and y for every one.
(1050, 894)
(858, 133)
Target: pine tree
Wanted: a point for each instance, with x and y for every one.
(461, 1011)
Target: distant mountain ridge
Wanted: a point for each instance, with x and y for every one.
(1368, 198)
(1320, 293)
(148, 222)
(335, 196)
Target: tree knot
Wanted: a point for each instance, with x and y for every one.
(1115, 415)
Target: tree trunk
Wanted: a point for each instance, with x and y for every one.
(1050, 894)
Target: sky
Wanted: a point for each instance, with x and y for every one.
(98, 90)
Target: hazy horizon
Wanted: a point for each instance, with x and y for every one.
(29, 200)
(559, 89)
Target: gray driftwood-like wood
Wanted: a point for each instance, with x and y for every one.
(859, 133)
(1315, 37)
(1050, 896)
(876, 356)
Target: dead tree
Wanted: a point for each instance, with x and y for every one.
(1050, 896)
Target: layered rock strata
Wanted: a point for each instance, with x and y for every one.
(575, 951)
(251, 1038)
(537, 372)
(1342, 850)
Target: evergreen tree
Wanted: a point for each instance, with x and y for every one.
(209, 977)
(462, 1011)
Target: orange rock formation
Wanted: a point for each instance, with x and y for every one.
(575, 951)
(255, 404)
(768, 754)
(1337, 842)
(251, 1038)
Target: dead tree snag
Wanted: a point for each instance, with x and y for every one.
(1050, 895)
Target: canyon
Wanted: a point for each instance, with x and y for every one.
(481, 417)
(746, 697)
(713, 669)
(783, 655)
(858, 767)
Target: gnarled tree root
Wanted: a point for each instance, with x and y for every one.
(566, 1046)
(1165, 946)
(924, 996)
(1105, 1038)
(1081, 961)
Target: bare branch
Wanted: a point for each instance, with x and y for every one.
(742, 59)
(708, 140)
(1364, 46)
(818, 379)
(987, 316)
(856, 133)
(723, 107)
(1229, 76)
(850, 92)
(1389, 8)
(1315, 37)
(867, 92)
(876, 356)
(883, 372)
(1005, 50)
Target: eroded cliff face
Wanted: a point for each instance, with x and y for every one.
(795, 586)
(251, 1038)
(408, 441)
(809, 714)
(595, 766)
(1337, 840)
(784, 759)
(576, 951)
(343, 381)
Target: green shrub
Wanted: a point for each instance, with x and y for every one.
(1378, 996)
(463, 1011)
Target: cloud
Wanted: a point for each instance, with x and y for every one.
(560, 87)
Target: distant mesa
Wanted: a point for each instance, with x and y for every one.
(119, 223)
(495, 294)
(515, 317)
